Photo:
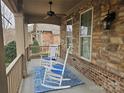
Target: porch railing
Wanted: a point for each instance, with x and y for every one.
(14, 74)
(42, 50)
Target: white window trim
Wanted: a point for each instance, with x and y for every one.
(70, 19)
(89, 60)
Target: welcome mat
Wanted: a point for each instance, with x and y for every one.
(38, 78)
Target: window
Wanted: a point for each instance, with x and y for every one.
(85, 34)
(69, 34)
(8, 24)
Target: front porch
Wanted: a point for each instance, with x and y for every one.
(93, 28)
(88, 87)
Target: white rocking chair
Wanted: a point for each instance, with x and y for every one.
(53, 76)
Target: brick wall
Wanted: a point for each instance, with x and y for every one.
(56, 39)
(50, 38)
(107, 66)
(47, 37)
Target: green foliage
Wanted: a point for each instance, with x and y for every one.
(10, 52)
(35, 48)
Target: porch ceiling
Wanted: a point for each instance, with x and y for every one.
(40, 7)
(36, 10)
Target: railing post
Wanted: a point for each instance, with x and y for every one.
(3, 78)
(24, 68)
(28, 53)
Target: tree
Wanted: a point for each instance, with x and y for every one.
(10, 52)
(35, 47)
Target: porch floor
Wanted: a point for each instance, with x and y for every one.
(27, 85)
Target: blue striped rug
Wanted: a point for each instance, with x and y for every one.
(38, 77)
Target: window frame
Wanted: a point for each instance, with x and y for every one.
(90, 36)
(70, 19)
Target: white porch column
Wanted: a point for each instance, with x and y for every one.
(27, 49)
(3, 78)
(20, 35)
(20, 39)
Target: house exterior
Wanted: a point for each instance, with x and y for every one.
(97, 40)
(45, 34)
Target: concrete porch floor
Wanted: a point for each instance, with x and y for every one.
(27, 85)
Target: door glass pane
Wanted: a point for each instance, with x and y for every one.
(85, 47)
(69, 41)
(69, 34)
(69, 28)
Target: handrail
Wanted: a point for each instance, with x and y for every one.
(45, 46)
(14, 74)
(8, 69)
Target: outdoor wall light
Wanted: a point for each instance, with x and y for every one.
(108, 20)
